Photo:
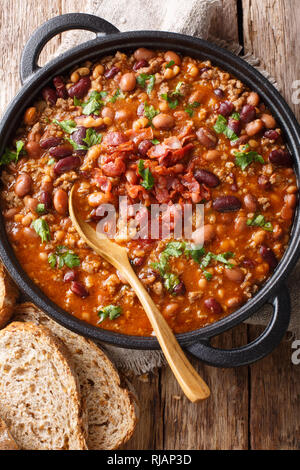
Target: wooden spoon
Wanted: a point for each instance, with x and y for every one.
(191, 383)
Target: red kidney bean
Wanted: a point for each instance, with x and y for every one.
(140, 110)
(78, 137)
(138, 261)
(61, 151)
(80, 88)
(234, 125)
(220, 93)
(226, 204)
(60, 87)
(204, 69)
(23, 185)
(264, 182)
(271, 135)
(225, 108)
(50, 142)
(144, 146)
(45, 199)
(49, 95)
(179, 289)
(79, 289)
(70, 275)
(111, 72)
(248, 113)
(250, 202)
(240, 141)
(206, 177)
(249, 263)
(207, 137)
(66, 164)
(213, 305)
(268, 255)
(281, 157)
(140, 64)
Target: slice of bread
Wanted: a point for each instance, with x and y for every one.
(39, 391)
(8, 296)
(7, 442)
(112, 410)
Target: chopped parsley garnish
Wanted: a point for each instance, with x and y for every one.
(42, 229)
(9, 156)
(259, 221)
(63, 257)
(92, 137)
(93, 104)
(68, 126)
(177, 92)
(235, 116)
(51, 161)
(110, 311)
(244, 159)
(221, 128)
(145, 173)
(40, 209)
(75, 145)
(170, 64)
(144, 79)
(178, 248)
(118, 94)
(190, 108)
(172, 103)
(149, 111)
(155, 142)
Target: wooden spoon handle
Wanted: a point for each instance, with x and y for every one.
(189, 380)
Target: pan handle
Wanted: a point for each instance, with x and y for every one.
(53, 27)
(258, 348)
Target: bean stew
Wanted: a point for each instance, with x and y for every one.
(156, 128)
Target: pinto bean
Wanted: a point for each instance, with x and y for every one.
(248, 113)
(49, 142)
(80, 88)
(250, 202)
(264, 182)
(163, 121)
(128, 82)
(254, 127)
(131, 176)
(97, 198)
(60, 201)
(23, 185)
(226, 204)
(207, 137)
(78, 289)
(253, 98)
(33, 149)
(170, 55)
(30, 203)
(206, 177)
(268, 255)
(144, 146)
(213, 305)
(108, 112)
(286, 212)
(281, 157)
(234, 275)
(240, 224)
(170, 309)
(61, 151)
(211, 155)
(290, 200)
(30, 116)
(143, 54)
(66, 164)
(197, 96)
(204, 234)
(268, 121)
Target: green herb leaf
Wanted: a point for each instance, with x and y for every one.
(9, 156)
(155, 142)
(221, 128)
(110, 311)
(171, 280)
(42, 229)
(76, 146)
(40, 208)
(235, 116)
(177, 92)
(63, 257)
(172, 103)
(149, 111)
(143, 78)
(148, 180)
(190, 108)
(118, 94)
(68, 126)
(244, 159)
(259, 221)
(51, 161)
(170, 64)
(174, 249)
(92, 137)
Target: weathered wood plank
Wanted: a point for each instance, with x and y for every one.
(221, 422)
(224, 24)
(272, 33)
(275, 400)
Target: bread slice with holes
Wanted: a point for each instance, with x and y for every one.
(39, 390)
(7, 442)
(112, 410)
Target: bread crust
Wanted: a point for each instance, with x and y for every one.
(8, 296)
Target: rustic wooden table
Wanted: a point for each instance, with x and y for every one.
(255, 407)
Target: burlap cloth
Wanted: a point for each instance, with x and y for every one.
(191, 17)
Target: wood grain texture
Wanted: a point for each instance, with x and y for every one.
(256, 407)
